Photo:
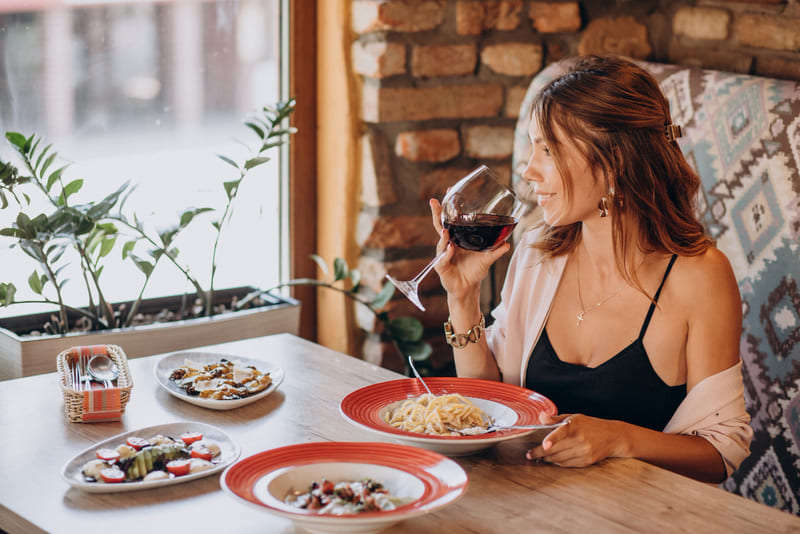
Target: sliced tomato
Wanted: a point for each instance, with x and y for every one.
(190, 437)
(109, 455)
(137, 443)
(112, 475)
(202, 452)
(179, 467)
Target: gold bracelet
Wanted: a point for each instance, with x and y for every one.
(459, 341)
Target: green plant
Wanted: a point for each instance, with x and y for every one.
(86, 233)
(404, 332)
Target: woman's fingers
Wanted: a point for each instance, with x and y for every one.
(436, 214)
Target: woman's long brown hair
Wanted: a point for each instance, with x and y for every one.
(617, 113)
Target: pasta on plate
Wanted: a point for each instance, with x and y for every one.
(439, 415)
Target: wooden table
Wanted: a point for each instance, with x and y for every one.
(506, 493)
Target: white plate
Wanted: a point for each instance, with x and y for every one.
(506, 404)
(229, 452)
(170, 362)
(427, 479)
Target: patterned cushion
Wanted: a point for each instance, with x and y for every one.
(742, 135)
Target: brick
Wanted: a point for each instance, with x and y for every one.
(765, 31)
(387, 104)
(472, 18)
(489, 142)
(434, 184)
(693, 56)
(548, 17)
(397, 15)
(428, 145)
(390, 231)
(785, 69)
(379, 59)
(514, 97)
(443, 60)
(621, 36)
(701, 23)
(513, 59)
(377, 183)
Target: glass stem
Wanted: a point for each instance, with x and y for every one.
(424, 272)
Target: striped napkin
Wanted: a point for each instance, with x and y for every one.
(99, 402)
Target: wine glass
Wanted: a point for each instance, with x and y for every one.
(479, 213)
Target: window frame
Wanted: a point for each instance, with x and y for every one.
(302, 156)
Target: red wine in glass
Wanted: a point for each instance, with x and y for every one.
(480, 231)
(479, 212)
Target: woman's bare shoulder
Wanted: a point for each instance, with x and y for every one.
(708, 295)
(709, 272)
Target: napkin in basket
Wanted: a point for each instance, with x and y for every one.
(99, 403)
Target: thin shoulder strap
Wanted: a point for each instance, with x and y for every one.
(655, 299)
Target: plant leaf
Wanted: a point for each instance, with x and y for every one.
(16, 139)
(54, 176)
(321, 263)
(253, 126)
(7, 292)
(255, 162)
(107, 246)
(355, 278)
(384, 296)
(231, 187)
(406, 329)
(145, 266)
(35, 283)
(127, 248)
(418, 350)
(73, 187)
(340, 269)
(229, 161)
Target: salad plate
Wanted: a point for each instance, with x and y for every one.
(505, 404)
(166, 365)
(419, 480)
(229, 452)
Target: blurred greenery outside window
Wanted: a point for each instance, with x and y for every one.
(151, 91)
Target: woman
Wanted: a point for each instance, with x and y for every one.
(617, 306)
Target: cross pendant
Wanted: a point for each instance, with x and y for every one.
(580, 318)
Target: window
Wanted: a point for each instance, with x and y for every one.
(151, 91)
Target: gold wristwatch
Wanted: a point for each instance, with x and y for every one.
(459, 341)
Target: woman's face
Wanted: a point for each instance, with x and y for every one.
(548, 184)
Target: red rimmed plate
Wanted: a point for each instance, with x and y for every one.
(506, 404)
(424, 479)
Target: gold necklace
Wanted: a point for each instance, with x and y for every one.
(584, 309)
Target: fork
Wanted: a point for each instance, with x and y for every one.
(76, 376)
(478, 430)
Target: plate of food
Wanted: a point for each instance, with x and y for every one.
(217, 381)
(152, 457)
(346, 487)
(457, 418)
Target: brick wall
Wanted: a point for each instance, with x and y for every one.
(442, 81)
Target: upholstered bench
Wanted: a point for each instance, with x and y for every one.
(742, 135)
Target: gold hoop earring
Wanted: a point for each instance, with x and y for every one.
(603, 207)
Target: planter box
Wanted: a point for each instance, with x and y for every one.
(22, 355)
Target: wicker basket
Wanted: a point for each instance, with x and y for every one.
(74, 399)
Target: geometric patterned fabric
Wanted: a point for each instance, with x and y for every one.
(742, 135)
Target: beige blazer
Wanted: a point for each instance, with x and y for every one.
(713, 409)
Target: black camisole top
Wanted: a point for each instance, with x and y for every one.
(624, 388)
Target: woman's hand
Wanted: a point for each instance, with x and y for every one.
(461, 271)
(582, 441)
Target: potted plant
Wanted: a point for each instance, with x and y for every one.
(70, 233)
(405, 332)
